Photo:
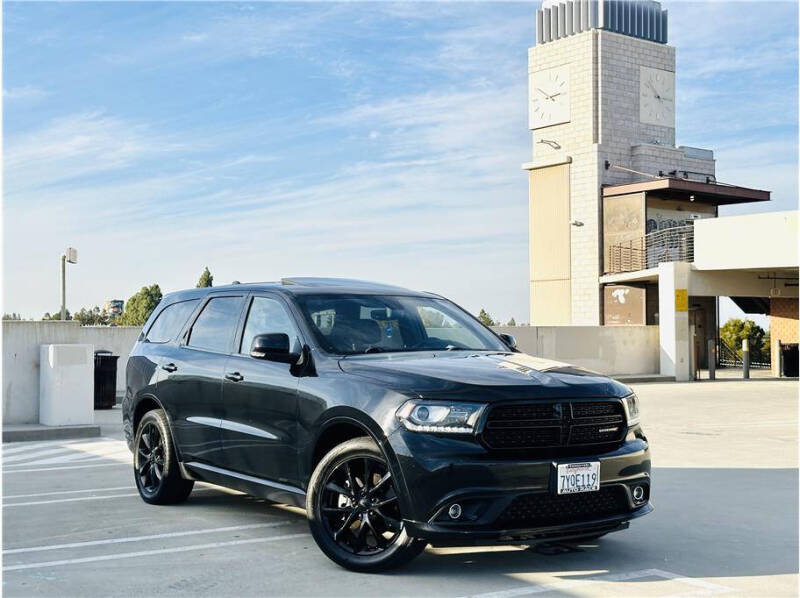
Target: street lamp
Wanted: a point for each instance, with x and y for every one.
(71, 256)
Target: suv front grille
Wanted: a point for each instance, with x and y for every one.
(543, 509)
(544, 425)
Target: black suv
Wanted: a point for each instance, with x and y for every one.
(394, 417)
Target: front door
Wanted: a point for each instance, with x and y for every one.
(259, 424)
(190, 386)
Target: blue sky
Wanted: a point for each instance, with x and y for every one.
(370, 140)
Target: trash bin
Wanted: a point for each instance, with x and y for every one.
(789, 360)
(105, 379)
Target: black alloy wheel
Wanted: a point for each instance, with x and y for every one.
(150, 459)
(359, 506)
(155, 464)
(354, 511)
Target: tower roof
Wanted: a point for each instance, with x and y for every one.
(644, 19)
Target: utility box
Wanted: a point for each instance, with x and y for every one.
(66, 385)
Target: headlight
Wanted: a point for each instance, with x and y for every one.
(631, 409)
(440, 417)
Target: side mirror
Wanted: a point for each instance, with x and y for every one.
(273, 347)
(509, 340)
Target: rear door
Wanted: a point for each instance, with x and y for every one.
(191, 383)
(259, 427)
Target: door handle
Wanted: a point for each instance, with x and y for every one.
(169, 367)
(234, 377)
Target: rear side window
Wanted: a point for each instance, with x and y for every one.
(170, 321)
(213, 330)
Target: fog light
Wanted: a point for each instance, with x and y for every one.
(638, 494)
(454, 511)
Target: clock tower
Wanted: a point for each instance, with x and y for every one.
(601, 85)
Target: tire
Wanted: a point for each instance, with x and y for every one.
(360, 530)
(155, 464)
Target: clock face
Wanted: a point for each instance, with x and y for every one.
(656, 97)
(549, 97)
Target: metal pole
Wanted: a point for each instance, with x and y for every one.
(745, 358)
(63, 287)
(711, 356)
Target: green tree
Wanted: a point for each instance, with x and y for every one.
(734, 331)
(12, 316)
(512, 322)
(93, 317)
(485, 318)
(206, 280)
(56, 315)
(139, 307)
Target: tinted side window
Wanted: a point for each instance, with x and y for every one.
(214, 327)
(170, 321)
(266, 316)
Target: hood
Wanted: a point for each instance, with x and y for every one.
(481, 376)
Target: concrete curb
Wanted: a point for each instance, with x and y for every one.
(27, 432)
(640, 379)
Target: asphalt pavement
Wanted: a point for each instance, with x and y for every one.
(725, 491)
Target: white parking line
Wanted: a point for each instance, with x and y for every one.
(10, 448)
(81, 498)
(60, 492)
(700, 586)
(9, 472)
(194, 532)
(66, 451)
(128, 555)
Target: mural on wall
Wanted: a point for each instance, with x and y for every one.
(664, 218)
(624, 305)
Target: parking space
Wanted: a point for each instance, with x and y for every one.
(725, 491)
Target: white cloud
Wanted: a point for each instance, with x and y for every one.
(76, 146)
(25, 92)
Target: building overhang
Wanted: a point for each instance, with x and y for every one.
(688, 190)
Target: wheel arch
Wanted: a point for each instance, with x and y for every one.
(342, 424)
(147, 403)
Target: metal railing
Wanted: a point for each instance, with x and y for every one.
(674, 244)
(730, 357)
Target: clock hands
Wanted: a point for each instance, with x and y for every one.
(650, 83)
(547, 95)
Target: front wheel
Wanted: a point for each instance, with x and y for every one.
(155, 464)
(353, 510)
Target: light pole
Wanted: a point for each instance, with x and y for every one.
(69, 256)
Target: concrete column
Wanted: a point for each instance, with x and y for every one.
(673, 320)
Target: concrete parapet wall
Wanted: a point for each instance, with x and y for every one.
(613, 350)
(21, 342)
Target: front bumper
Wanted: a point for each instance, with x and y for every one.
(511, 500)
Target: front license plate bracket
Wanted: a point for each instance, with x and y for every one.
(573, 478)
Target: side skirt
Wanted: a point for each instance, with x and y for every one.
(259, 487)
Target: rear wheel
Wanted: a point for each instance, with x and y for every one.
(155, 464)
(353, 510)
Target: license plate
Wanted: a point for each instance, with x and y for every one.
(578, 477)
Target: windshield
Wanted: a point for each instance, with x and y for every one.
(354, 324)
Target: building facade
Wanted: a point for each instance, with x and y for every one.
(620, 217)
(602, 109)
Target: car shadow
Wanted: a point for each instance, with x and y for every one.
(707, 523)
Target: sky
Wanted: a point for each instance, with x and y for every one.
(374, 140)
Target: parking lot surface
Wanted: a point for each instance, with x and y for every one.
(725, 491)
